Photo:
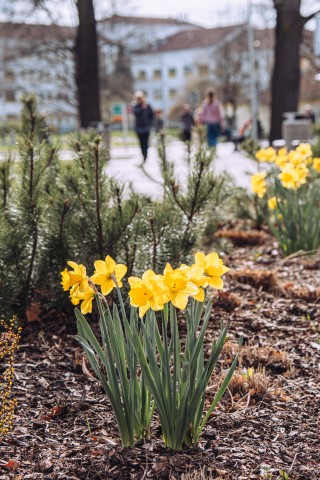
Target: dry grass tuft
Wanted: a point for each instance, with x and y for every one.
(228, 301)
(266, 279)
(241, 238)
(300, 292)
(249, 381)
(268, 357)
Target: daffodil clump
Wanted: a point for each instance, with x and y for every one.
(142, 363)
(291, 188)
(152, 290)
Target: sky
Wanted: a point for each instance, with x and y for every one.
(204, 12)
(208, 13)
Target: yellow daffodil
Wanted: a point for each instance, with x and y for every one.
(179, 287)
(198, 278)
(147, 292)
(304, 149)
(76, 279)
(86, 298)
(213, 268)
(292, 177)
(282, 152)
(266, 155)
(108, 274)
(316, 164)
(296, 158)
(302, 172)
(272, 203)
(281, 160)
(258, 183)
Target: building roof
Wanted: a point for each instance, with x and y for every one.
(205, 37)
(208, 37)
(35, 32)
(147, 21)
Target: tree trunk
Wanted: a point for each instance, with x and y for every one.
(87, 69)
(286, 72)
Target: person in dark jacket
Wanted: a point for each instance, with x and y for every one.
(187, 123)
(143, 122)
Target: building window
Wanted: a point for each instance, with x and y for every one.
(8, 76)
(157, 94)
(203, 70)
(157, 74)
(172, 72)
(142, 75)
(187, 71)
(172, 93)
(10, 96)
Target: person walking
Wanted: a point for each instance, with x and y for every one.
(187, 121)
(143, 122)
(211, 115)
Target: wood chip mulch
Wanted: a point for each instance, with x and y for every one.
(266, 427)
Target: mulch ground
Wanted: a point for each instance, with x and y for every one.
(267, 425)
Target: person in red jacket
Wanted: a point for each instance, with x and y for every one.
(211, 115)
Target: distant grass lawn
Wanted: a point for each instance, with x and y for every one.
(9, 144)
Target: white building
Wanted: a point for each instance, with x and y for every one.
(168, 56)
(165, 70)
(38, 59)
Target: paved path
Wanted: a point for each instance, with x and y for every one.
(125, 165)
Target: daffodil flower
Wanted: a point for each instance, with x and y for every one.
(258, 183)
(179, 286)
(147, 292)
(197, 277)
(108, 274)
(76, 279)
(213, 268)
(316, 164)
(86, 298)
(272, 203)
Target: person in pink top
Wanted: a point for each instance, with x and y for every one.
(211, 115)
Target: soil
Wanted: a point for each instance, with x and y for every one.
(267, 425)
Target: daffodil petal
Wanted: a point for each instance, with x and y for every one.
(200, 259)
(180, 300)
(200, 296)
(107, 286)
(215, 282)
(110, 264)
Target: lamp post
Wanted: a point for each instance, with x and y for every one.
(253, 82)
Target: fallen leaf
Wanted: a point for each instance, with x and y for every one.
(33, 312)
(12, 465)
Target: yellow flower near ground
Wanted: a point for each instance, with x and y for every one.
(304, 149)
(272, 203)
(295, 158)
(213, 268)
(266, 155)
(179, 287)
(293, 176)
(281, 160)
(76, 279)
(316, 164)
(108, 274)
(258, 183)
(86, 298)
(147, 292)
(198, 278)
(282, 152)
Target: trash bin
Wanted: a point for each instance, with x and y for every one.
(295, 128)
